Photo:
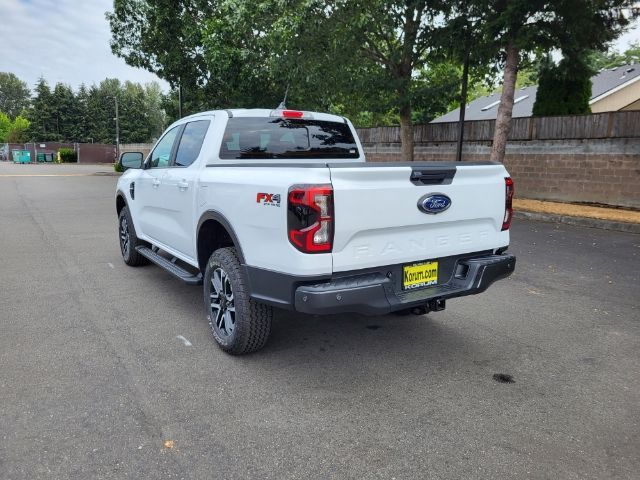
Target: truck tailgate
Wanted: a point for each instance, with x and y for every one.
(378, 222)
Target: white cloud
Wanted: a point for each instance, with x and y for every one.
(64, 41)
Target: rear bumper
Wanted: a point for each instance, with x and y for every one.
(370, 294)
(379, 292)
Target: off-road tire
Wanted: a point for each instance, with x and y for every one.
(129, 254)
(252, 319)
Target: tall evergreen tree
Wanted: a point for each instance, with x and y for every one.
(563, 89)
(64, 115)
(42, 127)
(82, 114)
(156, 117)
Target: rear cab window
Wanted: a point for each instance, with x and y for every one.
(191, 142)
(255, 138)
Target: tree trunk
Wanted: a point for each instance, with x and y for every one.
(406, 133)
(505, 110)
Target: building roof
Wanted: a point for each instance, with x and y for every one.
(486, 108)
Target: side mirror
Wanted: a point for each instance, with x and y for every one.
(131, 160)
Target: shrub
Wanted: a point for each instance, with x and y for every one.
(117, 167)
(68, 155)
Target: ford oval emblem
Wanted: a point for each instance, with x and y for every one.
(434, 203)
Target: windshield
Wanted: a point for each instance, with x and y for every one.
(267, 137)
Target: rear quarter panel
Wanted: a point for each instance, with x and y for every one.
(261, 228)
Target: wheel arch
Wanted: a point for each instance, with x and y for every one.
(121, 202)
(214, 231)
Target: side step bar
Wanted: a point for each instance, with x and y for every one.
(169, 266)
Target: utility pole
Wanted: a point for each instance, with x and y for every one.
(180, 98)
(463, 104)
(117, 119)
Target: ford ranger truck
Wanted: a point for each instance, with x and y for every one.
(279, 209)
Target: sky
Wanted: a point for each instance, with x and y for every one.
(68, 41)
(62, 40)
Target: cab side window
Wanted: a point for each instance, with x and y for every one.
(161, 155)
(191, 142)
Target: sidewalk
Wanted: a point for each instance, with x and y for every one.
(582, 215)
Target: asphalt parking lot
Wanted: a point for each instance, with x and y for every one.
(96, 383)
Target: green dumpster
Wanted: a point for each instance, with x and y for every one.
(42, 157)
(21, 156)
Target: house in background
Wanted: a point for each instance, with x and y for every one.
(612, 90)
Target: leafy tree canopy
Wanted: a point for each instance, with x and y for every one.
(612, 59)
(5, 126)
(376, 61)
(14, 95)
(19, 131)
(13, 131)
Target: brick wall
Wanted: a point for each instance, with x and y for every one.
(605, 171)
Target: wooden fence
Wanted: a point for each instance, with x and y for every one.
(596, 125)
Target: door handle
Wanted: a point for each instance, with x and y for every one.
(155, 182)
(183, 185)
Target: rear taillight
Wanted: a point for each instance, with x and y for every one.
(508, 203)
(310, 218)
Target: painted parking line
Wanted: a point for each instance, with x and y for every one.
(46, 174)
(186, 342)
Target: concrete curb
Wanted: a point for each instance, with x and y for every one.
(581, 221)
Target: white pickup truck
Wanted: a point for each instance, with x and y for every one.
(278, 208)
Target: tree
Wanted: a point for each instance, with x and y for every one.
(13, 131)
(89, 115)
(41, 113)
(563, 89)
(156, 116)
(82, 120)
(605, 60)
(64, 113)
(14, 95)
(5, 126)
(19, 130)
(519, 27)
(396, 41)
(371, 59)
(163, 36)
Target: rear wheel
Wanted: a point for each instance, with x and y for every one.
(128, 240)
(238, 323)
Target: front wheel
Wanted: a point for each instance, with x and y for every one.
(129, 240)
(238, 323)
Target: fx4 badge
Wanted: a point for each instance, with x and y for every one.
(272, 199)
